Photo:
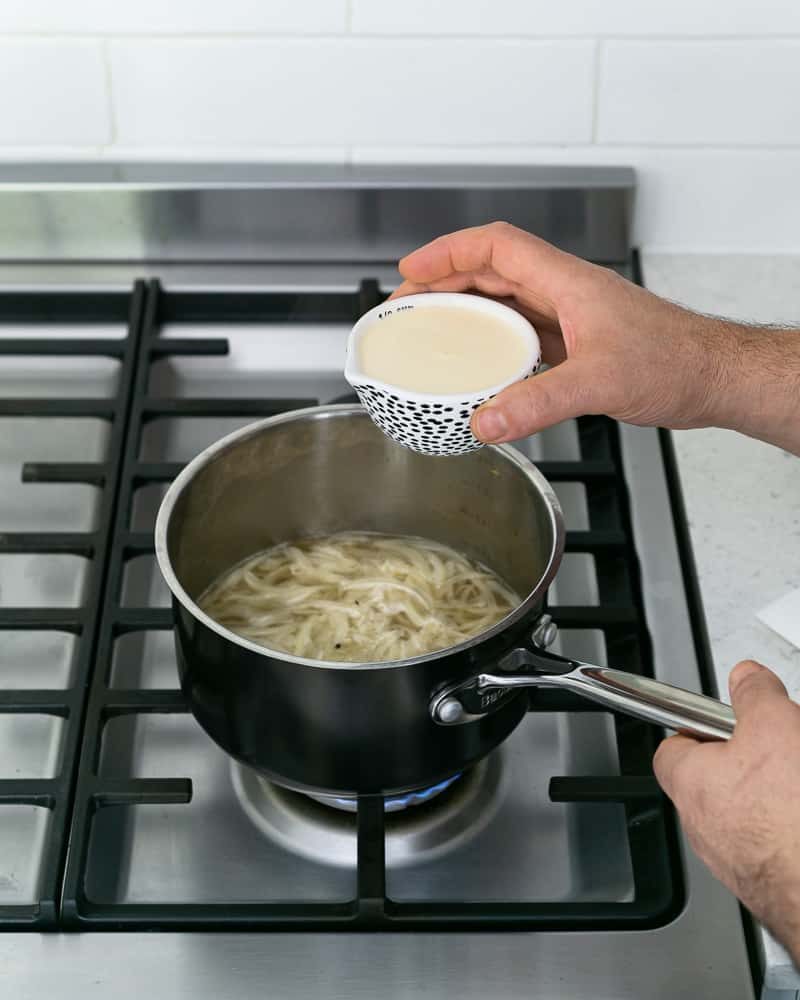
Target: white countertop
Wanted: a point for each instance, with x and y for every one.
(742, 496)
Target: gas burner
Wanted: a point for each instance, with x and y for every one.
(308, 826)
(392, 804)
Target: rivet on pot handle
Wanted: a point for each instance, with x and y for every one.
(663, 704)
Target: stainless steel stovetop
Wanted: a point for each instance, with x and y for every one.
(502, 839)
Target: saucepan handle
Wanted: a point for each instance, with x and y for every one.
(654, 701)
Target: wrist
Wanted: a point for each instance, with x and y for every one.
(756, 386)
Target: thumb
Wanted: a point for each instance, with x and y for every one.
(541, 401)
(754, 688)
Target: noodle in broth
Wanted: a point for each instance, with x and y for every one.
(359, 597)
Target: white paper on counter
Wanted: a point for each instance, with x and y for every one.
(783, 616)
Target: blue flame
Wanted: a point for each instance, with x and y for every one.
(398, 802)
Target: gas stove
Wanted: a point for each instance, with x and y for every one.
(554, 868)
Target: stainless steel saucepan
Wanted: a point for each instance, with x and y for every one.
(367, 728)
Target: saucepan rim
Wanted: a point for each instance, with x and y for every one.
(338, 411)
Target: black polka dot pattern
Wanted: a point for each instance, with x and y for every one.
(429, 428)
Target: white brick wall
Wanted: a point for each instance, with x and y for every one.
(344, 92)
(700, 93)
(174, 17)
(595, 18)
(52, 92)
(702, 97)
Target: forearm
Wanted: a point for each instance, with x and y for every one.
(613, 347)
(759, 389)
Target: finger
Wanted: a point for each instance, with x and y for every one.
(407, 288)
(486, 282)
(671, 756)
(511, 253)
(754, 689)
(450, 283)
(527, 407)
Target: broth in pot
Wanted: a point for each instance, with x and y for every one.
(359, 597)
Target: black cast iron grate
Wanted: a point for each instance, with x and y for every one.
(55, 794)
(620, 616)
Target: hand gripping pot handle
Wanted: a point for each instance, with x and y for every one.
(662, 704)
